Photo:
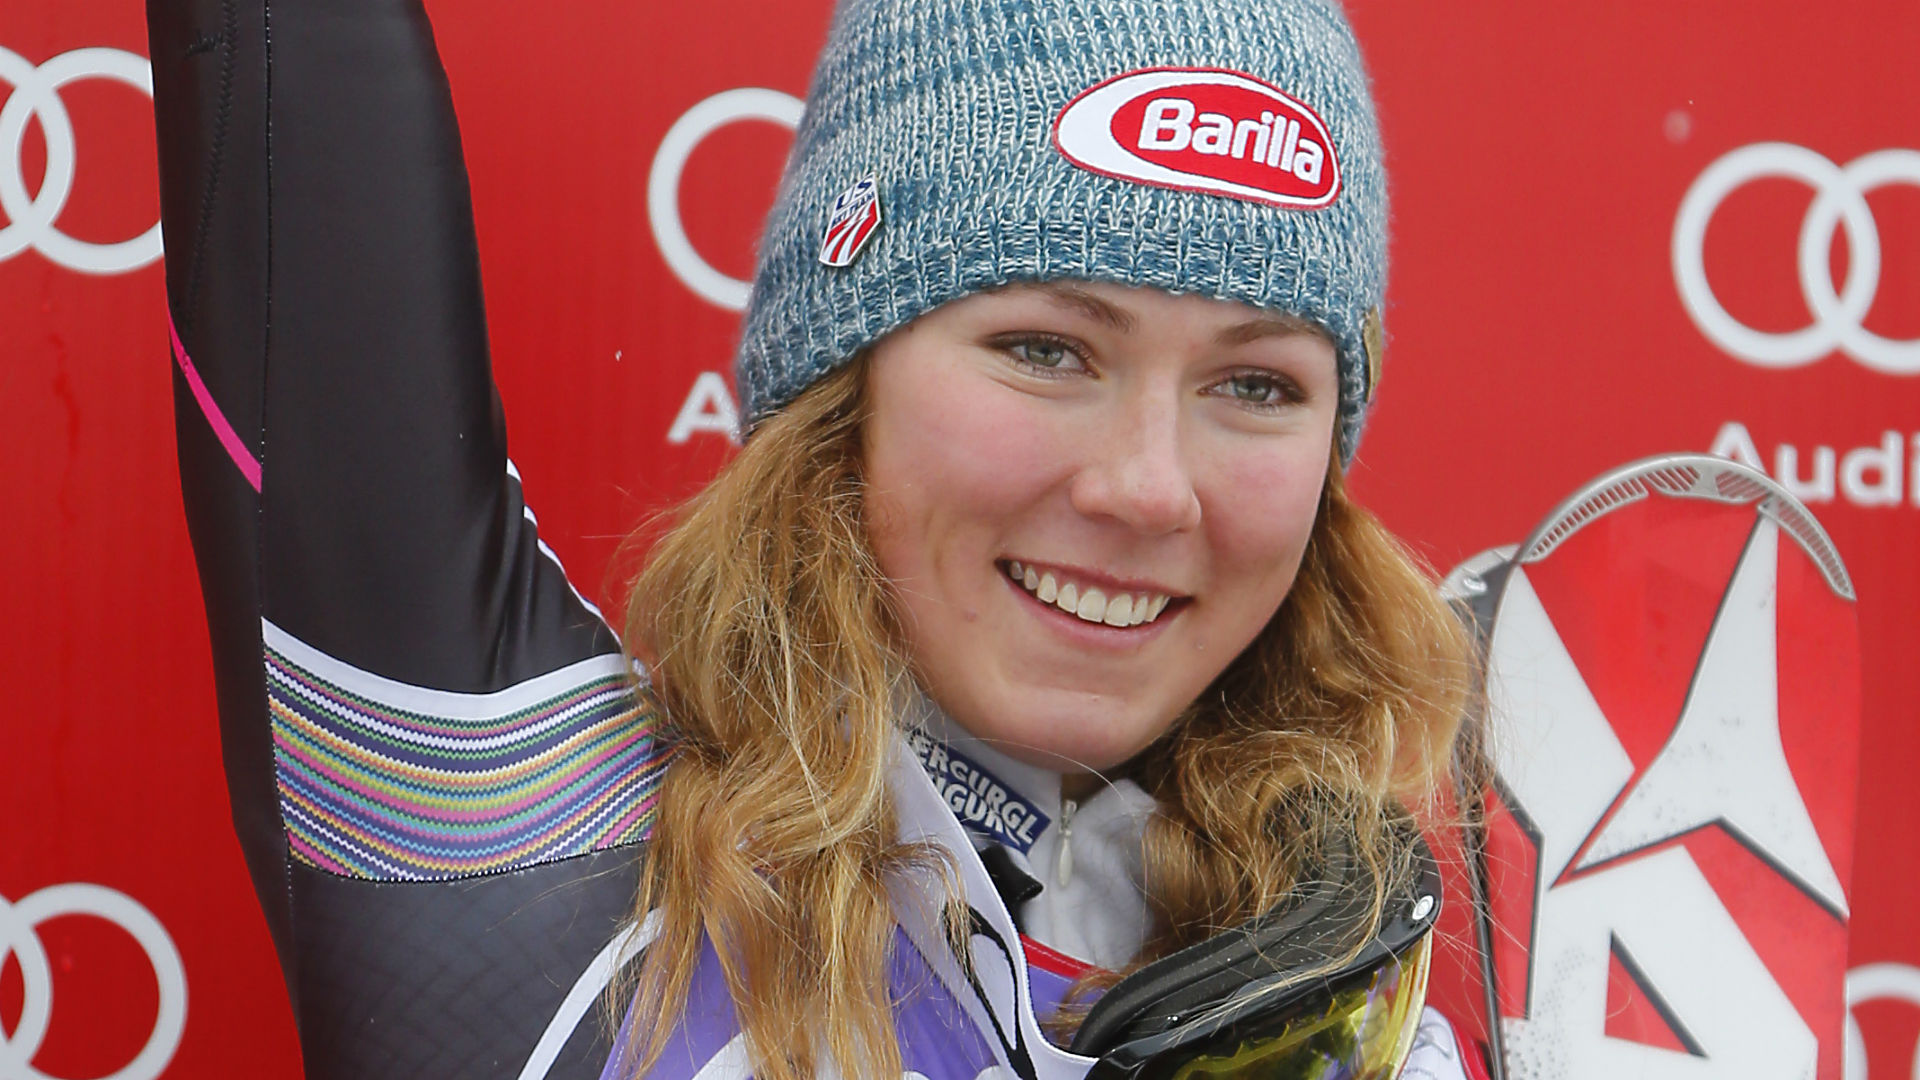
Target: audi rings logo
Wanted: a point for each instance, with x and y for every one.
(33, 220)
(19, 937)
(1840, 202)
(663, 183)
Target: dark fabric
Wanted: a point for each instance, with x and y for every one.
(454, 980)
(1014, 885)
(323, 275)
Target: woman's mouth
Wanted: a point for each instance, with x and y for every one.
(1090, 603)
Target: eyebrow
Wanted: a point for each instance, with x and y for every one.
(1275, 324)
(1271, 324)
(1072, 296)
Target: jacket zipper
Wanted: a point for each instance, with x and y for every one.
(1063, 861)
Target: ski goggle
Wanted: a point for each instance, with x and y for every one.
(1286, 997)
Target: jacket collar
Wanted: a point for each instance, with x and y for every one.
(997, 997)
(1092, 905)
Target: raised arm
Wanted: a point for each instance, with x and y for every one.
(434, 756)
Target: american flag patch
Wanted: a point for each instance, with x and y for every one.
(856, 214)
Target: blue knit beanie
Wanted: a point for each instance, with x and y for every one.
(1226, 148)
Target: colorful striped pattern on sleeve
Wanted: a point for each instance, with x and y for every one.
(389, 781)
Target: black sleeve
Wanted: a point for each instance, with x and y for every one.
(438, 764)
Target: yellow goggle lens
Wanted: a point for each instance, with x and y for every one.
(1364, 1032)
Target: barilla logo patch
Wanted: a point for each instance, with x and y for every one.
(977, 797)
(1210, 130)
(856, 214)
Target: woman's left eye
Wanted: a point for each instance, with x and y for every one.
(1261, 389)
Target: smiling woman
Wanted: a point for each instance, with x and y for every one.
(1124, 443)
(937, 537)
(1044, 470)
(1026, 697)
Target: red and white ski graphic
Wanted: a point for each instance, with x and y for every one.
(1673, 681)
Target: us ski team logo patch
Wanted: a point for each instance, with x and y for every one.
(856, 214)
(1203, 129)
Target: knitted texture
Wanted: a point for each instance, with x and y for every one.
(950, 104)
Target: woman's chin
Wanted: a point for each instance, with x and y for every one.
(1080, 741)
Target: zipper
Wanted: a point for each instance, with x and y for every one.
(1063, 861)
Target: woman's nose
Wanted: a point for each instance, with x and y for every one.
(1136, 472)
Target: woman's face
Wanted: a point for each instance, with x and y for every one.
(1089, 498)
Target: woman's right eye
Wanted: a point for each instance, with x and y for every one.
(1044, 354)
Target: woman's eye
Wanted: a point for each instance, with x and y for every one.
(1260, 389)
(1044, 354)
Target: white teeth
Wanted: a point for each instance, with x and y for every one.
(1120, 610)
(1092, 606)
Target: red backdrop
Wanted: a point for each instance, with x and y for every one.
(1553, 313)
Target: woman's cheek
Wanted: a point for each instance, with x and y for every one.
(955, 461)
(945, 417)
(1262, 509)
(995, 447)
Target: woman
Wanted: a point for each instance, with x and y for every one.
(1065, 326)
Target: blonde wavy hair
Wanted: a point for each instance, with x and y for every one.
(774, 647)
